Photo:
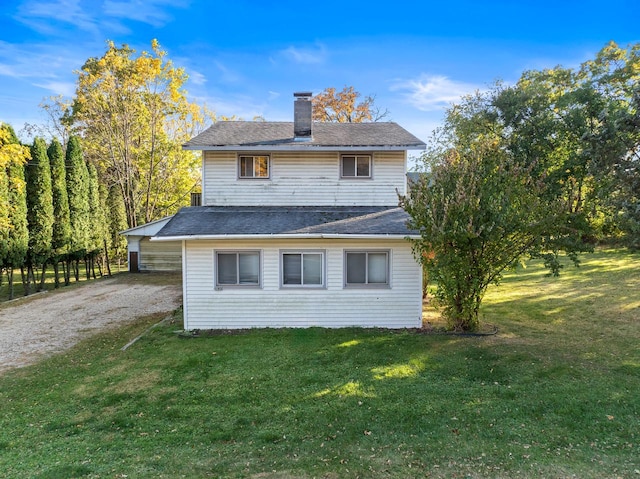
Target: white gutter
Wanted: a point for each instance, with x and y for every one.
(284, 236)
(301, 148)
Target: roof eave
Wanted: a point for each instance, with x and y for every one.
(286, 236)
(302, 147)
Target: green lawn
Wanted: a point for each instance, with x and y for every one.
(556, 393)
(18, 287)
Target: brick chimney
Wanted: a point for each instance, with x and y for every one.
(302, 116)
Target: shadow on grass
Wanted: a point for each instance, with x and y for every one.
(546, 397)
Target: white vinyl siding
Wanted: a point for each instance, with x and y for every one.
(209, 307)
(160, 255)
(303, 179)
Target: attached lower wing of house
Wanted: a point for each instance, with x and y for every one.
(299, 226)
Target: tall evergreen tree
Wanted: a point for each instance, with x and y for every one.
(97, 219)
(5, 225)
(78, 195)
(39, 208)
(16, 234)
(18, 241)
(61, 236)
(117, 222)
(4, 212)
(106, 239)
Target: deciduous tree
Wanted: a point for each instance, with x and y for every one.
(133, 114)
(343, 107)
(528, 170)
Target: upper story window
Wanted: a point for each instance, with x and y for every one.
(355, 166)
(254, 166)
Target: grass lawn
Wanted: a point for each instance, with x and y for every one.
(49, 285)
(556, 393)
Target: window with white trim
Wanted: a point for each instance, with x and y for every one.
(302, 269)
(253, 166)
(366, 268)
(355, 166)
(237, 268)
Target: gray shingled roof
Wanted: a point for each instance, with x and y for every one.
(253, 135)
(287, 220)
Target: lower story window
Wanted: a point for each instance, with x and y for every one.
(303, 269)
(365, 268)
(240, 268)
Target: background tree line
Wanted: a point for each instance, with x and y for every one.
(55, 213)
(116, 162)
(549, 165)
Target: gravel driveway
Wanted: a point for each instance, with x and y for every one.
(33, 327)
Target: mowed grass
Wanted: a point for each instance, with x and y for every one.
(556, 393)
(49, 284)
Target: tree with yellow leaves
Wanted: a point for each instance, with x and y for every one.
(133, 116)
(343, 107)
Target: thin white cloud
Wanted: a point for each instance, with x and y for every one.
(67, 89)
(241, 106)
(22, 67)
(197, 78)
(226, 74)
(45, 16)
(41, 16)
(26, 61)
(151, 12)
(433, 92)
(308, 56)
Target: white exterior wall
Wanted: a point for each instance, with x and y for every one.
(160, 255)
(303, 179)
(397, 306)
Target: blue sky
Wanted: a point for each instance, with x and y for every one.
(247, 57)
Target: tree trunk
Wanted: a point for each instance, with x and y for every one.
(106, 257)
(56, 273)
(87, 269)
(10, 280)
(31, 278)
(25, 280)
(93, 266)
(67, 273)
(76, 269)
(43, 276)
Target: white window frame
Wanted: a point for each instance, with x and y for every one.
(302, 253)
(356, 157)
(253, 170)
(368, 284)
(219, 286)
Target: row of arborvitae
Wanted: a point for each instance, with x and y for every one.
(54, 212)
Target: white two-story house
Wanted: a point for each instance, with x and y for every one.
(299, 226)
